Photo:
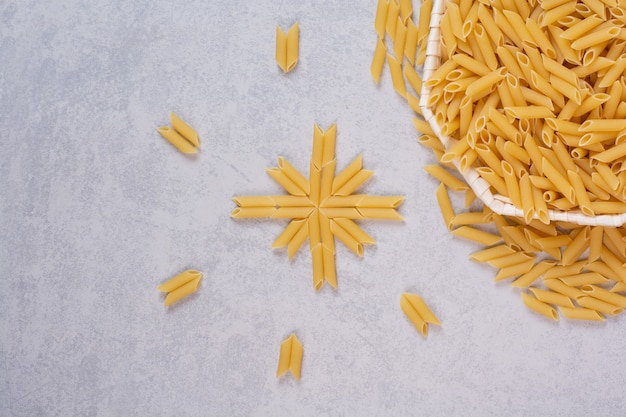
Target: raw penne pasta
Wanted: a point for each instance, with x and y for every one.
(380, 21)
(418, 312)
(252, 212)
(391, 201)
(180, 280)
(476, 235)
(445, 205)
(289, 232)
(539, 307)
(177, 140)
(551, 297)
(533, 274)
(290, 357)
(378, 61)
(184, 130)
(599, 305)
(287, 47)
(446, 177)
(581, 314)
(353, 229)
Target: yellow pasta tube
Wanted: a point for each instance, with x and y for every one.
(379, 213)
(611, 154)
(315, 238)
(292, 212)
(391, 201)
(558, 286)
(445, 205)
(354, 182)
(580, 28)
(343, 212)
(528, 112)
(380, 20)
(288, 233)
(292, 47)
(512, 184)
(393, 12)
(531, 276)
(328, 240)
(297, 240)
(539, 307)
(254, 201)
(495, 252)
(290, 357)
(410, 45)
(281, 177)
(578, 280)
(317, 261)
(581, 314)
(330, 274)
(397, 79)
(508, 260)
(281, 48)
(182, 291)
(484, 84)
(577, 247)
(599, 305)
(515, 269)
(343, 200)
(604, 295)
(326, 182)
(345, 237)
(351, 227)
(596, 37)
(413, 78)
(349, 172)
(417, 312)
(446, 177)
(476, 235)
(291, 201)
(551, 297)
(177, 140)
(378, 61)
(294, 175)
(252, 212)
(400, 40)
(184, 129)
(180, 280)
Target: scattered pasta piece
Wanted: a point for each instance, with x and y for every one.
(287, 47)
(182, 136)
(418, 312)
(322, 207)
(290, 358)
(180, 286)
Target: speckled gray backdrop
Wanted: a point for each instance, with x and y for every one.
(96, 210)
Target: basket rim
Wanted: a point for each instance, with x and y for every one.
(497, 203)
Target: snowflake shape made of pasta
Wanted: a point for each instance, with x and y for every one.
(322, 207)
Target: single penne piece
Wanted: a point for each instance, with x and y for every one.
(378, 60)
(254, 201)
(470, 219)
(424, 20)
(599, 305)
(539, 307)
(400, 39)
(482, 86)
(526, 195)
(293, 174)
(289, 232)
(595, 243)
(317, 261)
(602, 125)
(560, 287)
(397, 79)
(185, 130)
(413, 78)
(619, 287)
(604, 295)
(180, 280)
(495, 252)
(476, 235)
(540, 206)
(342, 200)
(550, 242)
(596, 37)
(384, 201)
(281, 48)
(291, 201)
(603, 269)
(292, 46)
(292, 212)
(515, 270)
(297, 240)
(493, 179)
(182, 291)
(512, 184)
(328, 240)
(379, 213)
(353, 183)
(326, 181)
(177, 140)
(351, 227)
(445, 206)
(410, 46)
(465, 61)
(281, 178)
(584, 278)
(252, 212)
(393, 11)
(346, 238)
(445, 177)
(412, 314)
(344, 212)
(581, 314)
(576, 248)
(421, 308)
(351, 170)
(528, 112)
(330, 273)
(551, 297)
(535, 272)
(380, 20)
(581, 193)
(558, 180)
(581, 28)
(313, 223)
(508, 260)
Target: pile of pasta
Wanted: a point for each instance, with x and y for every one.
(531, 95)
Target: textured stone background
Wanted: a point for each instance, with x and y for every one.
(96, 210)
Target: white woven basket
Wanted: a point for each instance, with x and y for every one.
(496, 202)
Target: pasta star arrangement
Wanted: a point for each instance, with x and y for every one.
(322, 207)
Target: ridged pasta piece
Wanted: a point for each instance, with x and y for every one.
(177, 140)
(185, 130)
(539, 307)
(418, 312)
(290, 357)
(581, 314)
